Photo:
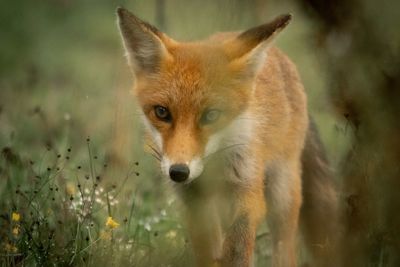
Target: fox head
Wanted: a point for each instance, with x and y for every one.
(192, 93)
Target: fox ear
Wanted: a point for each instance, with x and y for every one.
(144, 43)
(250, 46)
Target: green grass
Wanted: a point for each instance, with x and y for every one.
(64, 205)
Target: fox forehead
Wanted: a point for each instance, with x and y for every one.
(197, 75)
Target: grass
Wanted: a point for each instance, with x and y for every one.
(55, 211)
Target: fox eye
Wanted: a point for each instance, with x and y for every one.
(210, 116)
(162, 113)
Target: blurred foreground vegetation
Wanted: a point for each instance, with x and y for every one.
(76, 187)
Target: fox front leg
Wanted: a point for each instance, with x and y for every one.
(205, 233)
(239, 243)
(240, 236)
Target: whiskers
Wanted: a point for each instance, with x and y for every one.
(155, 153)
(158, 155)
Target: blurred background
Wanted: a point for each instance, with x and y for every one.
(68, 121)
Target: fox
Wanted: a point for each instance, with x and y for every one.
(227, 119)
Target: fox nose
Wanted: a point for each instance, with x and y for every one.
(179, 172)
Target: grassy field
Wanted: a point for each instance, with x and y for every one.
(76, 187)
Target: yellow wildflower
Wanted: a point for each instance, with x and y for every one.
(111, 223)
(15, 230)
(16, 216)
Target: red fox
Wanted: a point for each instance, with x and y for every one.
(227, 118)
